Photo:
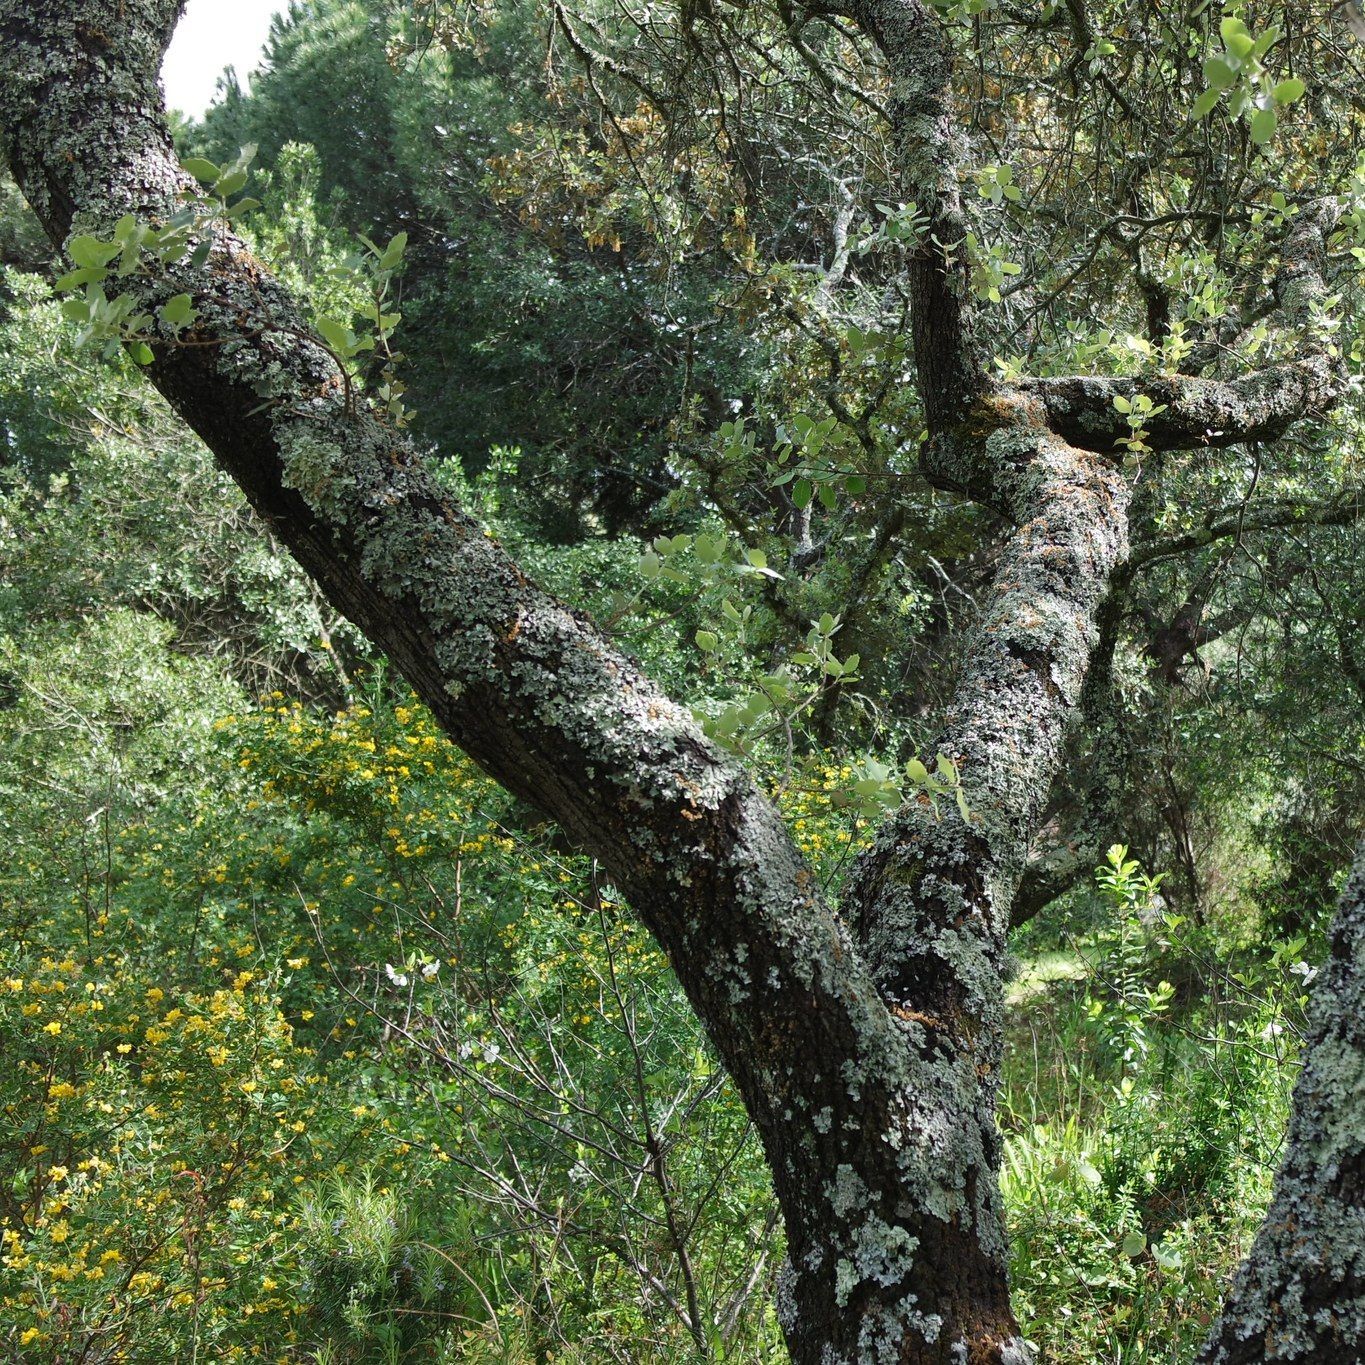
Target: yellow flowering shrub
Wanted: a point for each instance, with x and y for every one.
(343, 971)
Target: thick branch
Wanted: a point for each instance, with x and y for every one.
(1199, 412)
(1258, 406)
(930, 902)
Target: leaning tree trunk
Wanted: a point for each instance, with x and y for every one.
(865, 1047)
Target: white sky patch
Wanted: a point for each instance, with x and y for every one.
(214, 34)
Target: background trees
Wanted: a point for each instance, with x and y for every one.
(678, 193)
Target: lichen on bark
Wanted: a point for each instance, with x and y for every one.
(1300, 1293)
(866, 1047)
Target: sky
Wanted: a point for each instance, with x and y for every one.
(214, 34)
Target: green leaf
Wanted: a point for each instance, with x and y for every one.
(228, 184)
(141, 352)
(1288, 91)
(90, 252)
(340, 338)
(201, 169)
(707, 641)
(855, 483)
(1134, 1243)
(1218, 73)
(757, 558)
(75, 278)
(1203, 106)
(393, 253)
(178, 311)
(710, 549)
(1263, 123)
(802, 492)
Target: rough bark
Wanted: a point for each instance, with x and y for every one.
(929, 150)
(867, 1058)
(1256, 406)
(853, 1114)
(1300, 1294)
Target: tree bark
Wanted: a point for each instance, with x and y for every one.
(1300, 1294)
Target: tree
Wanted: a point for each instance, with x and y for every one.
(866, 1040)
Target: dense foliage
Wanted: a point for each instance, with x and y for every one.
(316, 1045)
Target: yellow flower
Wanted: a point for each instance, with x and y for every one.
(54, 1028)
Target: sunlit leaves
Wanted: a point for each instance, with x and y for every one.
(1238, 73)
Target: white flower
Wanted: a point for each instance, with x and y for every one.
(398, 978)
(429, 970)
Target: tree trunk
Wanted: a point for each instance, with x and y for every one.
(1300, 1294)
